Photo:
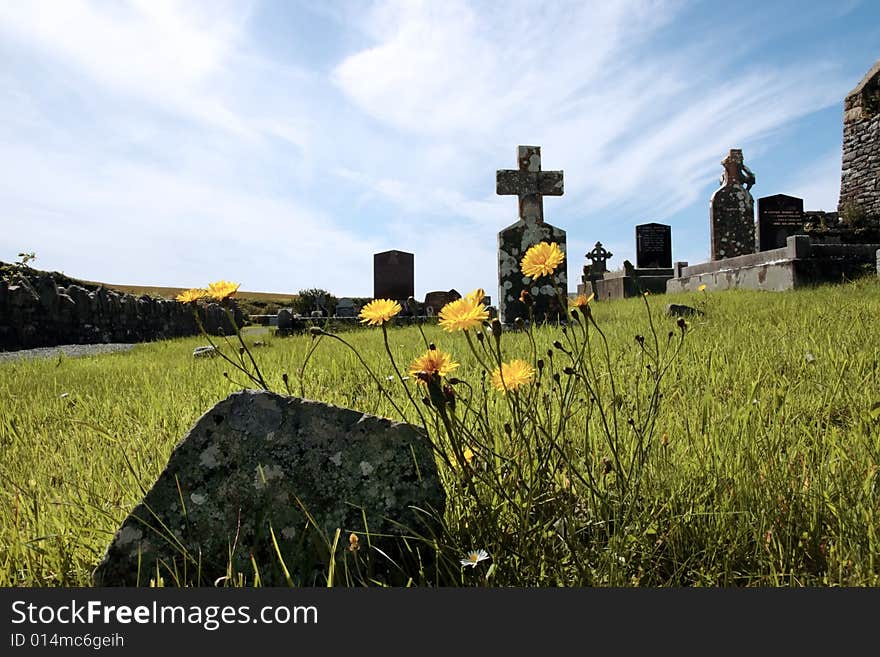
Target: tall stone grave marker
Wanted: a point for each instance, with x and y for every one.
(732, 210)
(393, 275)
(778, 217)
(653, 246)
(530, 184)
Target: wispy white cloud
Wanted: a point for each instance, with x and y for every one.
(818, 183)
(169, 121)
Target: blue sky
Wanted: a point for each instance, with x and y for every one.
(281, 144)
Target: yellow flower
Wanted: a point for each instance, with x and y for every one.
(194, 294)
(702, 288)
(541, 260)
(581, 300)
(379, 311)
(468, 454)
(433, 361)
(464, 313)
(514, 374)
(222, 290)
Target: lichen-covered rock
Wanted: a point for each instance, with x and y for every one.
(680, 310)
(247, 466)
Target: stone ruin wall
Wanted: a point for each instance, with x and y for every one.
(41, 309)
(860, 177)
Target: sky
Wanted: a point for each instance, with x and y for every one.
(281, 144)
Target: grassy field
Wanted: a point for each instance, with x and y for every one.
(747, 454)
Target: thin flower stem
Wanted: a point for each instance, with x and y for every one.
(370, 372)
(400, 377)
(302, 370)
(217, 350)
(244, 345)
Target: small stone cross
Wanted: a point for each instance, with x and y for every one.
(529, 183)
(598, 256)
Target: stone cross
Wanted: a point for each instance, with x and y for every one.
(597, 257)
(529, 183)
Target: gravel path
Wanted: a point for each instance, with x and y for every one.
(69, 350)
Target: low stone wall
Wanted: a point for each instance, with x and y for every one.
(42, 309)
(800, 263)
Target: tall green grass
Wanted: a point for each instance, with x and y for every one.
(762, 468)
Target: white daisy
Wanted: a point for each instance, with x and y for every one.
(474, 557)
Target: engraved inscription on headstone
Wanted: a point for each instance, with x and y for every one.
(653, 246)
(779, 216)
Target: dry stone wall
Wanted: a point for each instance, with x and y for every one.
(43, 309)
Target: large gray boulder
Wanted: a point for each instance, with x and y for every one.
(247, 465)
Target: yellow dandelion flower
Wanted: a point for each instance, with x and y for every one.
(465, 313)
(194, 294)
(702, 288)
(512, 375)
(541, 260)
(379, 311)
(468, 454)
(581, 300)
(433, 361)
(222, 290)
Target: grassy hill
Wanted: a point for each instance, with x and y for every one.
(252, 303)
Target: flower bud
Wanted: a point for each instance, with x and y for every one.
(496, 328)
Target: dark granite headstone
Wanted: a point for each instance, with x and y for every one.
(436, 300)
(393, 275)
(530, 184)
(653, 246)
(732, 210)
(778, 217)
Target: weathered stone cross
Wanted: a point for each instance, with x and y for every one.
(598, 256)
(529, 183)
